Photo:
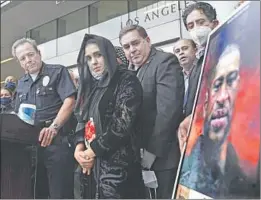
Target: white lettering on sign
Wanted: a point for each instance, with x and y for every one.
(154, 14)
(159, 13)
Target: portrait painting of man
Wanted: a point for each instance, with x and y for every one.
(222, 158)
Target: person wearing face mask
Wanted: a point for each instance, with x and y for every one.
(200, 19)
(10, 83)
(10, 79)
(110, 97)
(6, 101)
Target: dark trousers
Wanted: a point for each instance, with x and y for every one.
(78, 182)
(55, 170)
(166, 180)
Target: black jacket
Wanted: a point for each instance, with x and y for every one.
(193, 86)
(6, 109)
(118, 109)
(113, 102)
(163, 93)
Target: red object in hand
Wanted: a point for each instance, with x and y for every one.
(89, 130)
(89, 136)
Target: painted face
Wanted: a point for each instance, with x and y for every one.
(185, 53)
(135, 47)
(95, 60)
(221, 95)
(29, 58)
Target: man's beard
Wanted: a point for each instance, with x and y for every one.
(212, 149)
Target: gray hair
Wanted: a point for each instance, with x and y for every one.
(142, 32)
(21, 42)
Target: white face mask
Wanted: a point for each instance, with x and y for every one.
(200, 35)
(96, 76)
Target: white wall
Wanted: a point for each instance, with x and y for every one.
(65, 50)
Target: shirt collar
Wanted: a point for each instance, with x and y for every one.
(185, 73)
(200, 52)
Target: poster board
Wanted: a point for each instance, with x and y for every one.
(222, 155)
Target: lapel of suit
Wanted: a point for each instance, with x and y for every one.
(195, 70)
(144, 68)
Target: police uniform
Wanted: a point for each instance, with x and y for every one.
(55, 163)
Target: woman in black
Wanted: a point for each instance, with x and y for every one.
(112, 97)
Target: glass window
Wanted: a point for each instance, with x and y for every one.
(45, 32)
(136, 4)
(106, 10)
(73, 22)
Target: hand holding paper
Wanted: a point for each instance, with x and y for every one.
(147, 159)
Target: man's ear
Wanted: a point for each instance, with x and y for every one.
(148, 39)
(39, 53)
(215, 23)
(195, 49)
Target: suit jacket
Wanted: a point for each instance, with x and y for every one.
(163, 93)
(193, 86)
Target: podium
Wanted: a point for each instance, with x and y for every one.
(16, 161)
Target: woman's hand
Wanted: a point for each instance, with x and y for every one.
(85, 161)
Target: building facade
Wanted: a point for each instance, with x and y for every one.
(59, 27)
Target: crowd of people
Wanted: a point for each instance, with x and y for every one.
(138, 98)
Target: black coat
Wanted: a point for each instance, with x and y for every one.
(193, 86)
(117, 146)
(6, 109)
(163, 93)
(114, 103)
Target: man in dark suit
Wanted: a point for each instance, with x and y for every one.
(185, 50)
(200, 19)
(163, 91)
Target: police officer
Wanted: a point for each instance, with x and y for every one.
(51, 89)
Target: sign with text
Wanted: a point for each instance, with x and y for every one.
(156, 14)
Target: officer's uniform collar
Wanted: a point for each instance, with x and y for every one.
(42, 72)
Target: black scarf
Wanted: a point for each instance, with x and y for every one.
(90, 90)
